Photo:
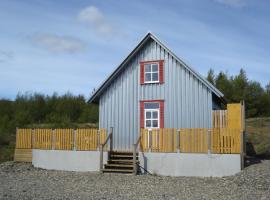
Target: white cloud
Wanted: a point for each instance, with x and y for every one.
(92, 16)
(57, 43)
(233, 3)
(6, 55)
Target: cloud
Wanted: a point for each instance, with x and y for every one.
(92, 16)
(57, 43)
(233, 3)
(6, 56)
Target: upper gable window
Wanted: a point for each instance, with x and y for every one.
(151, 72)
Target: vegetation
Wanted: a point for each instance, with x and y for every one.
(258, 137)
(38, 110)
(238, 88)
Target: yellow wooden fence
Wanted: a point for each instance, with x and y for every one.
(233, 117)
(193, 140)
(82, 139)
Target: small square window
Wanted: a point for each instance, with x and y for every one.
(151, 72)
(148, 115)
(147, 68)
(155, 76)
(147, 77)
(155, 68)
(155, 115)
(155, 123)
(148, 123)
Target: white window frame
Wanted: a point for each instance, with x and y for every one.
(158, 118)
(151, 72)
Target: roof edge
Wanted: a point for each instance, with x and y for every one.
(117, 69)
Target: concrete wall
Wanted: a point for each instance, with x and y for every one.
(191, 164)
(68, 160)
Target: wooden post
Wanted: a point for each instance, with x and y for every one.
(134, 160)
(74, 139)
(53, 139)
(98, 139)
(178, 140)
(150, 140)
(32, 138)
(209, 141)
(111, 139)
(172, 139)
(243, 138)
(101, 158)
(242, 149)
(17, 138)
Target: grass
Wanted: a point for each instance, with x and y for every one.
(258, 136)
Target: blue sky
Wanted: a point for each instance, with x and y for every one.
(59, 46)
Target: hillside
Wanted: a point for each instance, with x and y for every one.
(258, 136)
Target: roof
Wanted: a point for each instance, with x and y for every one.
(95, 96)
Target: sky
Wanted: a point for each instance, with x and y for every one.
(61, 46)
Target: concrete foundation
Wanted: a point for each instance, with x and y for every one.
(191, 164)
(68, 160)
(166, 164)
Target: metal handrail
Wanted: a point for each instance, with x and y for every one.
(134, 155)
(101, 147)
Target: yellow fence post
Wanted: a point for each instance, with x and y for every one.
(74, 139)
(53, 139)
(150, 140)
(178, 140)
(209, 141)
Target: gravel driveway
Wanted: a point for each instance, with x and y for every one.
(22, 181)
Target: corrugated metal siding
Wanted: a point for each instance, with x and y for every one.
(187, 102)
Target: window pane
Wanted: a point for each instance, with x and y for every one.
(147, 77)
(155, 76)
(148, 123)
(147, 68)
(151, 105)
(155, 123)
(155, 68)
(148, 115)
(155, 115)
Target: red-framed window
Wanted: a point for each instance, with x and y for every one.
(152, 72)
(152, 114)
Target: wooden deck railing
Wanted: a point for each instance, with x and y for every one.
(102, 145)
(81, 139)
(134, 152)
(194, 140)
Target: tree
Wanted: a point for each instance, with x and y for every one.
(267, 88)
(223, 83)
(211, 76)
(240, 84)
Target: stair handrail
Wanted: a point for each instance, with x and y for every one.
(101, 148)
(135, 145)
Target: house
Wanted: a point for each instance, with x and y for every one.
(156, 115)
(153, 88)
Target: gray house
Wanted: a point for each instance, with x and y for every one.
(153, 88)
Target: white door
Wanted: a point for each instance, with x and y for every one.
(151, 118)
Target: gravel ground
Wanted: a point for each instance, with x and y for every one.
(22, 181)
